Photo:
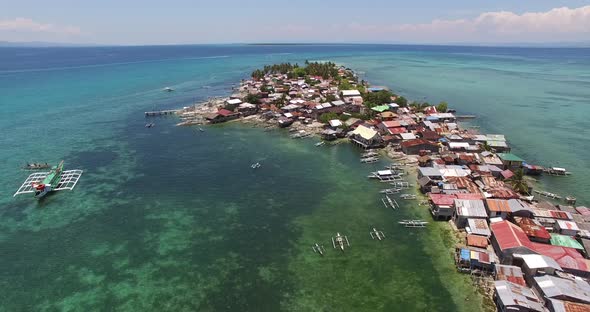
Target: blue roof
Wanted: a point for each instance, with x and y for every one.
(431, 118)
(465, 254)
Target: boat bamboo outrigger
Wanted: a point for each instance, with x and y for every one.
(255, 165)
(340, 241)
(390, 191)
(36, 166)
(389, 203)
(369, 160)
(42, 183)
(384, 176)
(407, 196)
(375, 234)
(413, 223)
(319, 249)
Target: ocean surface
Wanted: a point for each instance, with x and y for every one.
(173, 219)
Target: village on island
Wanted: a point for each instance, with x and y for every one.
(529, 249)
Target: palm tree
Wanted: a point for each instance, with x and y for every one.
(518, 183)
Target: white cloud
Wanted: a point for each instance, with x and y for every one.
(27, 25)
(554, 25)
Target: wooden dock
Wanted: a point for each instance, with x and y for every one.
(162, 112)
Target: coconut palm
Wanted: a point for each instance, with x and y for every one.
(518, 183)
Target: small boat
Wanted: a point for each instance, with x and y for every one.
(255, 166)
(369, 155)
(150, 125)
(407, 196)
(369, 160)
(384, 176)
(413, 223)
(340, 242)
(557, 171)
(378, 235)
(36, 166)
(390, 191)
(168, 89)
(319, 249)
(320, 143)
(201, 129)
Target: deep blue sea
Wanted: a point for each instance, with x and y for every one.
(173, 219)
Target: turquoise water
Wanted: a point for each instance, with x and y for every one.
(171, 218)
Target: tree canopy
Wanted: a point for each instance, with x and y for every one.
(442, 107)
(378, 98)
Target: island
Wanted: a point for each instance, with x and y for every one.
(527, 249)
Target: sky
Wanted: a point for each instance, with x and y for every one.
(134, 22)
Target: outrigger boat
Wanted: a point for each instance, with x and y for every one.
(150, 125)
(390, 191)
(319, 249)
(384, 176)
(36, 166)
(389, 203)
(413, 223)
(201, 129)
(379, 235)
(42, 183)
(369, 155)
(339, 241)
(407, 196)
(320, 143)
(369, 160)
(168, 89)
(255, 166)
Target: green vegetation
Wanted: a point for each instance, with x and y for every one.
(252, 98)
(518, 183)
(328, 116)
(325, 70)
(372, 99)
(401, 101)
(442, 107)
(331, 98)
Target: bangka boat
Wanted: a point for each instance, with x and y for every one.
(255, 165)
(384, 175)
(319, 249)
(320, 143)
(407, 196)
(369, 160)
(413, 223)
(168, 89)
(149, 125)
(340, 241)
(201, 130)
(36, 166)
(557, 171)
(42, 183)
(390, 191)
(375, 234)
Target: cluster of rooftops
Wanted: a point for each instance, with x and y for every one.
(538, 252)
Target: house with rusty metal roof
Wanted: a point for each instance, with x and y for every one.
(513, 297)
(468, 208)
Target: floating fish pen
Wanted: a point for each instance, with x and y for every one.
(162, 113)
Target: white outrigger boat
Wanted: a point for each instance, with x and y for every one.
(42, 183)
(389, 203)
(413, 223)
(401, 184)
(369, 154)
(384, 176)
(340, 241)
(390, 191)
(557, 171)
(407, 196)
(320, 143)
(319, 249)
(255, 166)
(369, 160)
(375, 234)
(168, 89)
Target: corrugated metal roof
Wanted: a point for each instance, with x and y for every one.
(470, 208)
(510, 273)
(442, 199)
(553, 287)
(566, 241)
(532, 229)
(479, 227)
(477, 241)
(498, 205)
(539, 261)
(512, 295)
